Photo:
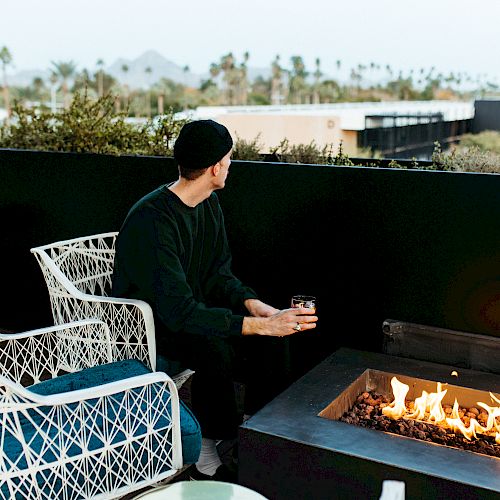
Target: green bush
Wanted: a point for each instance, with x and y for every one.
(299, 153)
(302, 153)
(247, 150)
(90, 126)
(471, 159)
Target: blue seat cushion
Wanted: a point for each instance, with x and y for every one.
(113, 372)
(168, 366)
(93, 377)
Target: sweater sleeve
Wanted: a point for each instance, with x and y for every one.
(148, 251)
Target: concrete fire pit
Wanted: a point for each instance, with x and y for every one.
(288, 451)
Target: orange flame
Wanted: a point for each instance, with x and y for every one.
(428, 407)
(431, 404)
(397, 408)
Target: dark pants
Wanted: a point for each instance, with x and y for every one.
(257, 362)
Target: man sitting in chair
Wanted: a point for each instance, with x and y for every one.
(172, 252)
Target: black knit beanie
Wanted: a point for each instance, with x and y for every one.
(202, 143)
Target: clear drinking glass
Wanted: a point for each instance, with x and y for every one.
(308, 301)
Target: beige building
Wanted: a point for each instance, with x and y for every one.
(297, 128)
(325, 124)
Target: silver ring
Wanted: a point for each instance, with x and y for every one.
(297, 327)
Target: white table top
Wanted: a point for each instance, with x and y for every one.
(201, 490)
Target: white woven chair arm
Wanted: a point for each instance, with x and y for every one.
(142, 305)
(71, 288)
(147, 315)
(90, 393)
(55, 328)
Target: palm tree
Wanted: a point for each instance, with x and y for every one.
(6, 59)
(125, 69)
(276, 81)
(53, 88)
(227, 67)
(64, 71)
(185, 71)
(355, 77)
(243, 80)
(161, 102)
(214, 70)
(298, 82)
(211, 86)
(317, 76)
(38, 87)
(360, 70)
(100, 77)
(389, 71)
(148, 70)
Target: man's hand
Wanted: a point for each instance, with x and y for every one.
(281, 324)
(259, 309)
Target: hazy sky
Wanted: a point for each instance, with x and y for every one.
(452, 35)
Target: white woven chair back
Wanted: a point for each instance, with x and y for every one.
(86, 262)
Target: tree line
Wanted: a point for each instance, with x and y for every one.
(290, 82)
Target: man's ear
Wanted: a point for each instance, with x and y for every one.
(216, 169)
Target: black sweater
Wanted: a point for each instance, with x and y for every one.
(177, 259)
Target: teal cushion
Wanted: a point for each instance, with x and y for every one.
(113, 372)
(168, 366)
(93, 377)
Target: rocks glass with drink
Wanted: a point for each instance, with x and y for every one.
(304, 301)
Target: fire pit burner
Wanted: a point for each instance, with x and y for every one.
(367, 412)
(430, 412)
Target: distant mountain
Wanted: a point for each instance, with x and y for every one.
(164, 68)
(136, 76)
(25, 77)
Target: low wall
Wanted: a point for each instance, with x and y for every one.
(370, 243)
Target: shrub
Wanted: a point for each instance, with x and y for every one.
(471, 159)
(302, 153)
(340, 158)
(89, 126)
(247, 150)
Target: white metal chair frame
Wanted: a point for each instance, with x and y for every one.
(147, 453)
(78, 274)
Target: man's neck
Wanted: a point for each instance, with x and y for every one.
(191, 192)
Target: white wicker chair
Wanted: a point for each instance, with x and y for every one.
(100, 442)
(78, 274)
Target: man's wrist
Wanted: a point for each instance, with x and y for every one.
(249, 305)
(252, 326)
